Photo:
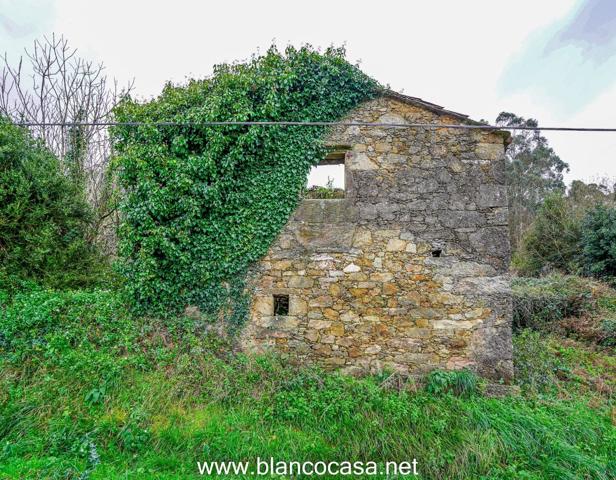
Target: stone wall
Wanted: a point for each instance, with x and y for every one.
(366, 288)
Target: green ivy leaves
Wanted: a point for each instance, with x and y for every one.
(201, 204)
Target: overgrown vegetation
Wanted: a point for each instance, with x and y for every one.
(599, 242)
(542, 301)
(44, 217)
(553, 240)
(567, 305)
(564, 339)
(533, 171)
(548, 365)
(570, 237)
(324, 192)
(52, 83)
(203, 203)
(88, 391)
(546, 218)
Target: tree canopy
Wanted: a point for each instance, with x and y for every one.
(534, 170)
(43, 215)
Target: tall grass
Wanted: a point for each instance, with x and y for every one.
(88, 392)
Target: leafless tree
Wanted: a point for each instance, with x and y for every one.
(52, 86)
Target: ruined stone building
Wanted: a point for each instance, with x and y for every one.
(409, 270)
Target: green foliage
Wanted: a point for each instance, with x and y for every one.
(84, 331)
(546, 365)
(536, 367)
(552, 241)
(572, 233)
(91, 333)
(43, 216)
(599, 242)
(326, 192)
(86, 389)
(203, 203)
(311, 397)
(319, 192)
(580, 308)
(608, 328)
(534, 171)
(538, 302)
(462, 383)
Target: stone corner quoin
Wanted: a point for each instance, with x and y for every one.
(407, 272)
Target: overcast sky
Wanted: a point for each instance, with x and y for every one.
(551, 60)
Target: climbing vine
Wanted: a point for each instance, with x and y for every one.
(202, 203)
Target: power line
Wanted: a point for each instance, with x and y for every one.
(311, 124)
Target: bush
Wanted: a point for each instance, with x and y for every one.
(462, 383)
(43, 216)
(575, 307)
(608, 330)
(539, 302)
(86, 331)
(553, 240)
(535, 366)
(324, 192)
(599, 242)
(319, 192)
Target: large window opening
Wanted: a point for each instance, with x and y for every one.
(327, 179)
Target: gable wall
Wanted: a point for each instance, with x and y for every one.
(365, 291)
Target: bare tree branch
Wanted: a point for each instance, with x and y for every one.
(56, 85)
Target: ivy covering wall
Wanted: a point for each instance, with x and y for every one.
(202, 203)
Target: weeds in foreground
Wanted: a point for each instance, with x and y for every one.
(86, 391)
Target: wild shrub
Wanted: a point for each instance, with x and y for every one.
(462, 383)
(552, 242)
(576, 307)
(203, 203)
(93, 333)
(43, 217)
(608, 331)
(313, 395)
(599, 242)
(326, 192)
(319, 192)
(86, 331)
(536, 368)
(539, 302)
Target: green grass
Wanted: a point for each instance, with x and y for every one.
(156, 426)
(86, 391)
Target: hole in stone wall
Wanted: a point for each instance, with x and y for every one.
(326, 180)
(281, 304)
(437, 252)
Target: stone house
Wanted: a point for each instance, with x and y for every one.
(409, 270)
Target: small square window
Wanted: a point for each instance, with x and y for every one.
(326, 180)
(281, 305)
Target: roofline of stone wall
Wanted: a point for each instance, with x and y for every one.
(439, 110)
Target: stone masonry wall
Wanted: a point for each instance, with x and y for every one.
(365, 290)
